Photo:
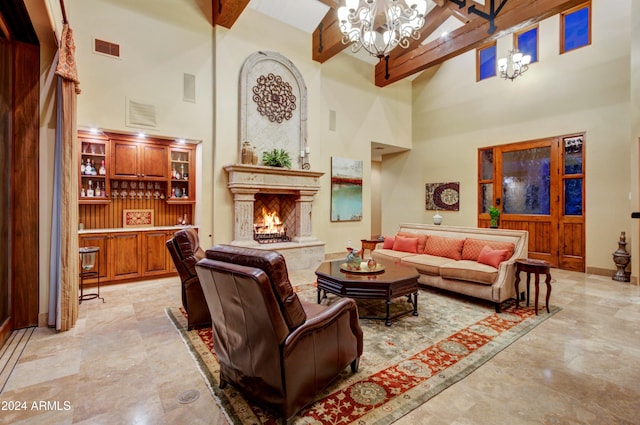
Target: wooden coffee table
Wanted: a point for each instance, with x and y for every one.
(395, 281)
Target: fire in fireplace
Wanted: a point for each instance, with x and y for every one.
(269, 229)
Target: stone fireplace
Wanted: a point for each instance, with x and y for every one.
(260, 191)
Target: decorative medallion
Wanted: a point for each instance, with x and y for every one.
(274, 98)
(443, 196)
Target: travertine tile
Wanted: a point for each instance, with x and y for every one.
(125, 363)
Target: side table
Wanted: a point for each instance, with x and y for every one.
(537, 267)
(369, 244)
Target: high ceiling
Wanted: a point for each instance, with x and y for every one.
(467, 23)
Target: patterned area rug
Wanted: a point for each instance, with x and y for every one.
(402, 366)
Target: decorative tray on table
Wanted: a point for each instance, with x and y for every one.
(364, 268)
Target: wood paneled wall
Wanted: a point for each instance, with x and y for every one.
(24, 185)
(109, 216)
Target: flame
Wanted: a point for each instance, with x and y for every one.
(270, 223)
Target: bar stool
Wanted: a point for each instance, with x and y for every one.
(89, 270)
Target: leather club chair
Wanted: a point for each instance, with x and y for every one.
(279, 351)
(185, 251)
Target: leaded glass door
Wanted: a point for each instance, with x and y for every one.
(539, 187)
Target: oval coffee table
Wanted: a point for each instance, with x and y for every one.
(395, 281)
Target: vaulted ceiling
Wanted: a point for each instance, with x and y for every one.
(479, 24)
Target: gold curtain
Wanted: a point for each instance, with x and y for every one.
(69, 257)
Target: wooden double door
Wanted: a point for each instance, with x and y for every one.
(538, 186)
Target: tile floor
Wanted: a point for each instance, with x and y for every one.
(124, 363)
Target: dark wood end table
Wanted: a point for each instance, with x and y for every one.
(395, 281)
(537, 267)
(369, 244)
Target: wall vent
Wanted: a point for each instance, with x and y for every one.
(106, 48)
(141, 114)
(189, 88)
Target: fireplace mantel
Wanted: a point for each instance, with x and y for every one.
(246, 181)
(271, 179)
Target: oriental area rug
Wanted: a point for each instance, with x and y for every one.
(402, 365)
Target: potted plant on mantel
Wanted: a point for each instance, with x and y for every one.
(494, 214)
(276, 158)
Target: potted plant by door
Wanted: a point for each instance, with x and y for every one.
(494, 214)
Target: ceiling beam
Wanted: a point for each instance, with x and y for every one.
(327, 38)
(226, 12)
(334, 4)
(514, 15)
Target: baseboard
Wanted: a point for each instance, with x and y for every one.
(608, 273)
(43, 320)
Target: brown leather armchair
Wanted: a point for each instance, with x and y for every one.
(185, 251)
(278, 350)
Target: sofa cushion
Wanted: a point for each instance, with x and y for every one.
(472, 247)
(470, 271)
(444, 247)
(388, 242)
(493, 257)
(425, 263)
(422, 239)
(389, 254)
(406, 244)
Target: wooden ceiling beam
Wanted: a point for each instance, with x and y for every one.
(514, 15)
(334, 4)
(327, 38)
(226, 12)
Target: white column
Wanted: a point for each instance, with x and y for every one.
(303, 217)
(243, 212)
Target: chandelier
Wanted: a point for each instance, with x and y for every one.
(514, 65)
(379, 26)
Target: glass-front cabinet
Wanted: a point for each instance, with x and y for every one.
(182, 175)
(116, 167)
(93, 163)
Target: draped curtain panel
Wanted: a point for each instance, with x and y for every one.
(64, 249)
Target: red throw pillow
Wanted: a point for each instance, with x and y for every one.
(493, 257)
(472, 247)
(444, 247)
(388, 242)
(422, 239)
(406, 244)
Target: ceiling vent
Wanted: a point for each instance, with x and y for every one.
(141, 114)
(106, 48)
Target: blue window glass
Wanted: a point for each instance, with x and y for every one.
(487, 62)
(526, 178)
(528, 43)
(573, 197)
(576, 29)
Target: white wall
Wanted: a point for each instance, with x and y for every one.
(364, 113)
(634, 158)
(159, 42)
(584, 90)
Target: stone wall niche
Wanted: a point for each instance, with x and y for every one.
(273, 107)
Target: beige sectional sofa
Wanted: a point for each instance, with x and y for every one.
(471, 261)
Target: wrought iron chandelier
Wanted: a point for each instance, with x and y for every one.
(514, 65)
(379, 26)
